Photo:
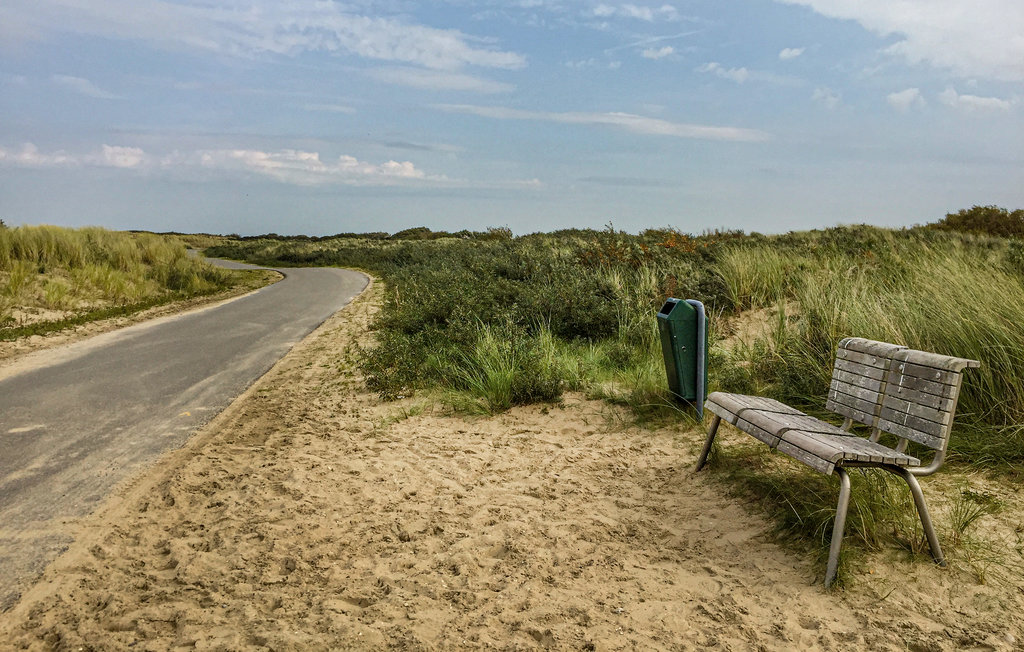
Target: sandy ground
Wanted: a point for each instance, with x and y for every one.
(311, 516)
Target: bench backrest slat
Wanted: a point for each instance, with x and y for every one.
(859, 378)
(920, 395)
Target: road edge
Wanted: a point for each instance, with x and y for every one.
(85, 532)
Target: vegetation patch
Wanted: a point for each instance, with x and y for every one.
(494, 321)
(52, 278)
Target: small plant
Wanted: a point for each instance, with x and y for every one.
(967, 508)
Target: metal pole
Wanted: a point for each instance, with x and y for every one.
(707, 445)
(838, 527)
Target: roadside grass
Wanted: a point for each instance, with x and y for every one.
(494, 321)
(53, 278)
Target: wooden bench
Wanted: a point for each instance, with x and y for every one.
(889, 388)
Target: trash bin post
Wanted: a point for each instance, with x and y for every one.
(682, 326)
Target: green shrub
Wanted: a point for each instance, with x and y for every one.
(987, 220)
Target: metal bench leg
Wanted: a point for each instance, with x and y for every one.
(838, 527)
(922, 511)
(707, 445)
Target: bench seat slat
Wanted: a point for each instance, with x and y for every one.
(727, 415)
(843, 448)
(810, 459)
(737, 403)
(837, 449)
(779, 423)
(758, 433)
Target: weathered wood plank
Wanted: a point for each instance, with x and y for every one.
(866, 359)
(945, 362)
(863, 393)
(867, 407)
(912, 434)
(758, 433)
(917, 423)
(853, 448)
(847, 411)
(921, 398)
(859, 369)
(898, 380)
(727, 415)
(770, 405)
(928, 373)
(777, 424)
(811, 460)
(898, 405)
(733, 403)
(864, 382)
(870, 347)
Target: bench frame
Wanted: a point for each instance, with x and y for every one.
(889, 388)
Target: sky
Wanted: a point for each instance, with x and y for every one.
(320, 117)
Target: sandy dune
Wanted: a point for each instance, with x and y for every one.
(311, 516)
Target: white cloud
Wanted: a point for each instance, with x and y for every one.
(83, 86)
(905, 100)
(121, 157)
(246, 28)
(437, 80)
(285, 165)
(790, 53)
(111, 156)
(29, 156)
(660, 53)
(738, 75)
(648, 14)
(300, 167)
(635, 123)
(969, 103)
(978, 38)
(826, 97)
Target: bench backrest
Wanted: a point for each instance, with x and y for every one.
(920, 396)
(859, 378)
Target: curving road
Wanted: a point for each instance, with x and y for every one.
(83, 418)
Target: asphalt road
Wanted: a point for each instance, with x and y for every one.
(82, 419)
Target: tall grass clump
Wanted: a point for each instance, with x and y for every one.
(758, 276)
(79, 271)
(951, 295)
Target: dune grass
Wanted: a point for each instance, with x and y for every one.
(53, 277)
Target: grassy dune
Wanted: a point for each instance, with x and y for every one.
(53, 277)
(493, 321)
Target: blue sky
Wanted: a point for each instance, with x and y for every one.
(313, 116)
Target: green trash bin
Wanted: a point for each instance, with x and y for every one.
(683, 329)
